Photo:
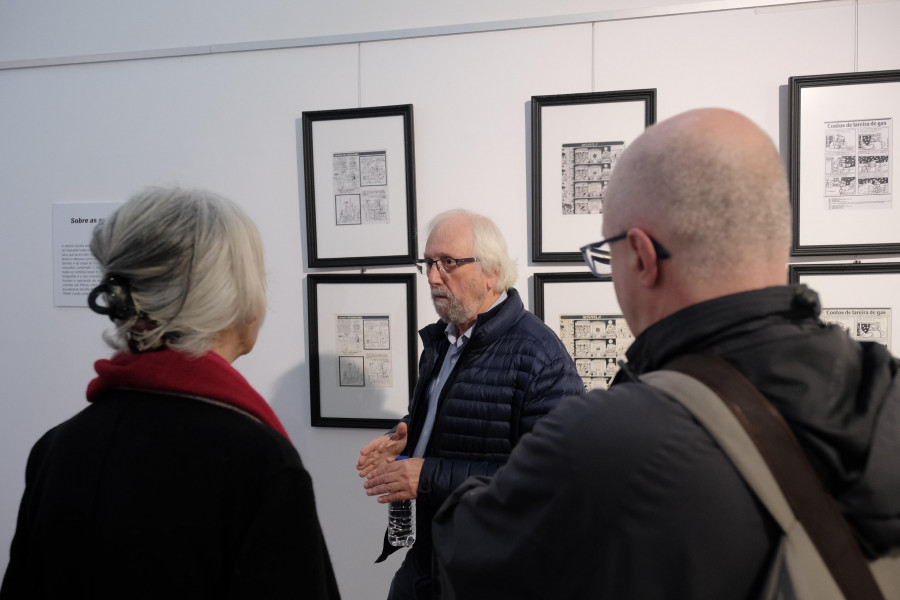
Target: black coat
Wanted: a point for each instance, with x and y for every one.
(622, 494)
(147, 495)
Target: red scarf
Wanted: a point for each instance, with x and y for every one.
(209, 376)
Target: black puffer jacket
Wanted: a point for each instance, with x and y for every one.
(511, 373)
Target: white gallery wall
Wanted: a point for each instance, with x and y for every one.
(97, 130)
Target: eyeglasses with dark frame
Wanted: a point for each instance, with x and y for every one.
(445, 264)
(597, 258)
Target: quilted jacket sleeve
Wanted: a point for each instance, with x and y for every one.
(557, 379)
(551, 377)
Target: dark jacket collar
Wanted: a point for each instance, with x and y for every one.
(701, 326)
(489, 325)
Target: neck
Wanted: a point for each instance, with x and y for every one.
(464, 327)
(673, 298)
(486, 305)
(230, 345)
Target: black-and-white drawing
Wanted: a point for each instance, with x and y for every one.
(585, 173)
(596, 343)
(346, 172)
(351, 371)
(360, 188)
(863, 324)
(347, 209)
(375, 206)
(349, 334)
(858, 164)
(367, 339)
(378, 370)
(373, 168)
(377, 333)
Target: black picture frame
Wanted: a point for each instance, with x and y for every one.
(796, 272)
(343, 310)
(360, 186)
(542, 282)
(855, 293)
(562, 124)
(841, 187)
(559, 297)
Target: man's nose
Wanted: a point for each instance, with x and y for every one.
(434, 275)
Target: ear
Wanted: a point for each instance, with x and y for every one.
(491, 280)
(647, 261)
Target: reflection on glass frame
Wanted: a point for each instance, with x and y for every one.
(575, 142)
(859, 297)
(359, 176)
(842, 163)
(583, 311)
(362, 348)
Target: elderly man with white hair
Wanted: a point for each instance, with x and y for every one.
(488, 372)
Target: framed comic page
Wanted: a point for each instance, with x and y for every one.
(582, 309)
(861, 298)
(842, 165)
(362, 348)
(575, 142)
(359, 176)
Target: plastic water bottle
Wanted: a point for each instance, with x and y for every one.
(402, 520)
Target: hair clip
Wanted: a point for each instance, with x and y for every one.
(120, 305)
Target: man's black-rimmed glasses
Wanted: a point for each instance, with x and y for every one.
(446, 264)
(597, 257)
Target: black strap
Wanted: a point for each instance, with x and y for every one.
(801, 485)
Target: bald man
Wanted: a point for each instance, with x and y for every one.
(621, 493)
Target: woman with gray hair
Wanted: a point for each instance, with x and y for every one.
(178, 481)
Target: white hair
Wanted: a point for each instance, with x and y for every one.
(193, 261)
(488, 244)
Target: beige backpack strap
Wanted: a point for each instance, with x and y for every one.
(758, 441)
